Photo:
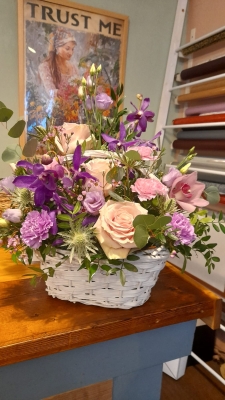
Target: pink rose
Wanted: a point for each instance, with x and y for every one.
(173, 174)
(147, 189)
(146, 153)
(187, 192)
(77, 133)
(114, 228)
(99, 168)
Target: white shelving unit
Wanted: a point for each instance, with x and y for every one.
(176, 368)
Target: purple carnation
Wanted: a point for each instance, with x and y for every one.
(103, 101)
(93, 202)
(36, 228)
(185, 232)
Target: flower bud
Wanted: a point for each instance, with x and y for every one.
(83, 81)
(184, 169)
(99, 68)
(3, 223)
(92, 70)
(139, 97)
(81, 92)
(46, 159)
(90, 82)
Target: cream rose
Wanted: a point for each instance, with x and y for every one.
(80, 132)
(114, 228)
(99, 168)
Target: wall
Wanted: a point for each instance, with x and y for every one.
(150, 29)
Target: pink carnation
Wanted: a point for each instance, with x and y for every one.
(147, 189)
(146, 153)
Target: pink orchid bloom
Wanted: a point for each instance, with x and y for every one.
(187, 192)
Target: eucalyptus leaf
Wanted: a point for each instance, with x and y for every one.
(10, 155)
(116, 173)
(133, 155)
(17, 129)
(212, 194)
(146, 220)
(5, 114)
(141, 236)
(2, 105)
(115, 196)
(160, 222)
(30, 147)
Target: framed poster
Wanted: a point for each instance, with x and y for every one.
(58, 42)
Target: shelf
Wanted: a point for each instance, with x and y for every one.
(205, 125)
(200, 81)
(200, 39)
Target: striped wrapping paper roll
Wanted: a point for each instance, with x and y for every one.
(207, 108)
(200, 119)
(205, 134)
(209, 67)
(209, 145)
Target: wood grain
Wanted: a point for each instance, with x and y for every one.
(98, 391)
(34, 324)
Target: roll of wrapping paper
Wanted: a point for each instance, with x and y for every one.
(204, 94)
(200, 119)
(208, 85)
(202, 134)
(196, 110)
(209, 67)
(212, 145)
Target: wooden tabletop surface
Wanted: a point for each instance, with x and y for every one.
(33, 324)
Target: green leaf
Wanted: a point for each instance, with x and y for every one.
(5, 114)
(146, 220)
(184, 264)
(17, 129)
(64, 217)
(132, 257)
(36, 269)
(113, 94)
(122, 277)
(92, 270)
(220, 216)
(205, 238)
(212, 194)
(161, 222)
(10, 155)
(130, 267)
(133, 155)
(77, 207)
(29, 252)
(30, 147)
(63, 225)
(217, 229)
(115, 196)
(211, 245)
(216, 259)
(115, 262)
(222, 228)
(116, 173)
(206, 220)
(141, 236)
(113, 270)
(105, 267)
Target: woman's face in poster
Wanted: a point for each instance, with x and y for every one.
(66, 51)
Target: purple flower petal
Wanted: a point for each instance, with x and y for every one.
(108, 138)
(149, 115)
(39, 197)
(54, 228)
(25, 164)
(145, 103)
(122, 132)
(77, 158)
(143, 123)
(38, 169)
(89, 220)
(24, 181)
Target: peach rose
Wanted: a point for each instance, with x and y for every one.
(80, 132)
(99, 168)
(114, 227)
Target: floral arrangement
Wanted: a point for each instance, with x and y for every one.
(98, 192)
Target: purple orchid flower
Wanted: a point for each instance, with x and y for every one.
(113, 143)
(77, 161)
(149, 143)
(141, 116)
(42, 182)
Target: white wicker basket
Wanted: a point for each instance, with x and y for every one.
(106, 291)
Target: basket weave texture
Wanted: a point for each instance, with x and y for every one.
(106, 291)
(5, 202)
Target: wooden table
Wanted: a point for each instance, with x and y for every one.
(49, 346)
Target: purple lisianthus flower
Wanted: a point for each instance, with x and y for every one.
(185, 231)
(12, 215)
(169, 178)
(103, 101)
(141, 116)
(93, 202)
(113, 143)
(7, 185)
(36, 228)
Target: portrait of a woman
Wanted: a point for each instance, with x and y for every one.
(56, 70)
